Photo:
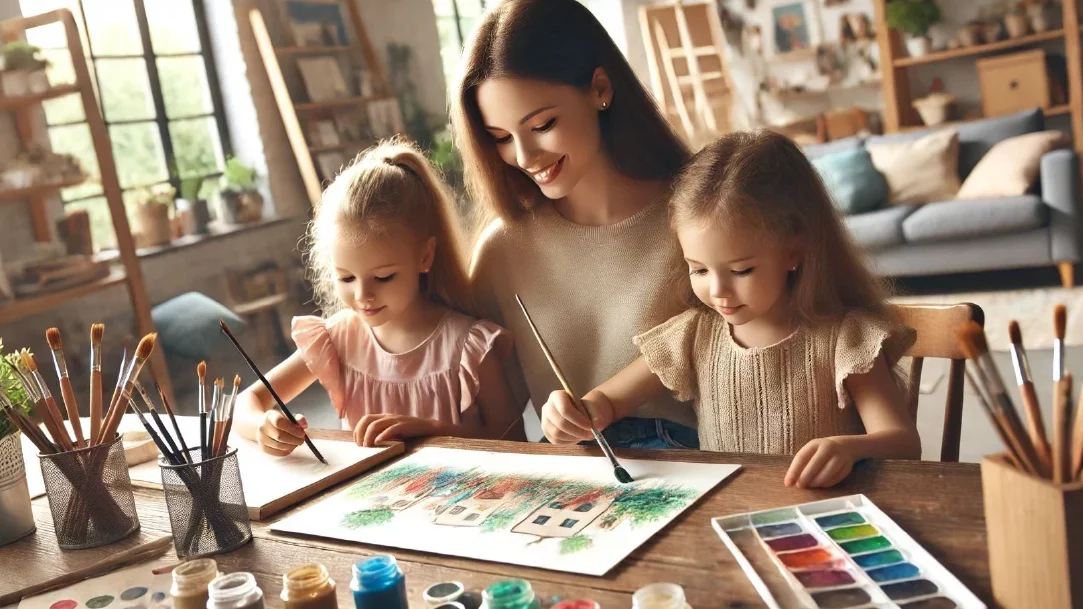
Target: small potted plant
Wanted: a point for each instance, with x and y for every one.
(16, 515)
(24, 69)
(914, 18)
(194, 210)
(152, 215)
(241, 202)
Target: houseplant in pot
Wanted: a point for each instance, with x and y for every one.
(194, 210)
(152, 215)
(913, 18)
(16, 515)
(24, 69)
(241, 202)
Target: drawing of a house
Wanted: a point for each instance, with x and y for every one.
(558, 518)
(471, 512)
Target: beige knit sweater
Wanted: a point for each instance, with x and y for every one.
(772, 399)
(589, 289)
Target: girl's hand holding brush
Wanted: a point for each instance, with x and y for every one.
(279, 437)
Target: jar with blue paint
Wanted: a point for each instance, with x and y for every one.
(378, 583)
(510, 594)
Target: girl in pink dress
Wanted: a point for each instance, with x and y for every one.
(398, 353)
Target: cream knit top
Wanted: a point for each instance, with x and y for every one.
(772, 399)
(589, 289)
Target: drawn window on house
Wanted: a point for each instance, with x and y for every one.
(586, 507)
(400, 503)
(568, 523)
(541, 520)
(457, 510)
(556, 505)
(472, 517)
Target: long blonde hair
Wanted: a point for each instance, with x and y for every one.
(762, 180)
(390, 185)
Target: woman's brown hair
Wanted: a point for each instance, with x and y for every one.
(555, 41)
(762, 180)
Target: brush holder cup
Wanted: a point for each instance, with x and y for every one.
(16, 514)
(1035, 537)
(207, 511)
(90, 495)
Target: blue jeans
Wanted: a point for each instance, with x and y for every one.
(650, 434)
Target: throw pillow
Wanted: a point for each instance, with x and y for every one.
(923, 170)
(188, 325)
(852, 180)
(1010, 167)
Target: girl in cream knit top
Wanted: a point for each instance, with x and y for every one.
(787, 349)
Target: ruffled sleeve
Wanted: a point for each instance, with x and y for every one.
(861, 339)
(483, 337)
(669, 350)
(313, 339)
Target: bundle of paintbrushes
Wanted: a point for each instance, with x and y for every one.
(1028, 448)
(89, 491)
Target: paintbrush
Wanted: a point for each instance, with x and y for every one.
(973, 343)
(1060, 324)
(215, 416)
(1035, 425)
(998, 427)
(618, 470)
(52, 336)
(172, 419)
(116, 409)
(201, 372)
(37, 404)
(159, 423)
(270, 389)
(97, 333)
(52, 413)
(1062, 423)
(25, 425)
(229, 414)
(162, 447)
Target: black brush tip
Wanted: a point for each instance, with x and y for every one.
(622, 475)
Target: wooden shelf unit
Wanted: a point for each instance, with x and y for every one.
(26, 111)
(1054, 111)
(899, 115)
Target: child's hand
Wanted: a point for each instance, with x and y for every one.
(564, 423)
(279, 437)
(821, 463)
(373, 429)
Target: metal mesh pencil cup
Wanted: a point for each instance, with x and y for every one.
(207, 511)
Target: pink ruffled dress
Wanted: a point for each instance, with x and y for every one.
(438, 379)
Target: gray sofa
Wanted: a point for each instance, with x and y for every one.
(1039, 229)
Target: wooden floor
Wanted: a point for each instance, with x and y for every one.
(938, 504)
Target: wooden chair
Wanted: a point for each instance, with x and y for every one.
(936, 326)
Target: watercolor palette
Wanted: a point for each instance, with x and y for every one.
(840, 553)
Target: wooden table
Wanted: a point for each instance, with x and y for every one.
(939, 504)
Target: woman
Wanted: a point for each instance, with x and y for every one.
(569, 158)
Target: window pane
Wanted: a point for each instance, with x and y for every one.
(138, 152)
(75, 140)
(68, 108)
(49, 36)
(113, 28)
(101, 223)
(184, 86)
(196, 146)
(172, 26)
(125, 89)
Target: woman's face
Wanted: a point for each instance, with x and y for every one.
(548, 131)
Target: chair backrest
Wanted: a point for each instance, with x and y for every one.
(936, 326)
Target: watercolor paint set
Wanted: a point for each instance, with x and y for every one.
(842, 553)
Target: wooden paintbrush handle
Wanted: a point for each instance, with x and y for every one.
(1062, 395)
(1013, 426)
(72, 407)
(64, 440)
(1036, 427)
(95, 405)
(1077, 441)
(113, 412)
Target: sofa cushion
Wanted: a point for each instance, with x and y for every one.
(816, 151)
(188, 325)
(919, 171)
(852, 180)
(881, 228)
(1011, 167)
(970, 218)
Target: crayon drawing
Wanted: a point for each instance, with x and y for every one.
(553, 512)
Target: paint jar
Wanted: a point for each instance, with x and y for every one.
(309, 587)
(443, 592)
(577, 604)
(451, 605)
(235, 591)
(660, 596)
(190, 581)
(378, 583)
(510, 594)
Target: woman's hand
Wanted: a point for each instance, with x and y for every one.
(277, 436)
(821, 463)
(374, 429)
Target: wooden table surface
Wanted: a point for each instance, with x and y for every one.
(938, 504)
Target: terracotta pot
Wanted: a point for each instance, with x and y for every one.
(991, 31)
(15, 82)
(969, 35)
(934, 109)
(1016, 25)
(154, 224)
(197, 216)
(241, 207)
(38, 81)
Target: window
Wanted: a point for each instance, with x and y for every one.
(471, 517)
(541, 520)
(455, 20)
(457, 510)
(586, 507)
(568, 523)
(153, 70)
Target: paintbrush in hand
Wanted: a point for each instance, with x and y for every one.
(270, 389)
(618, 470)
(97, 333)
(67, 394)
(1035, 424)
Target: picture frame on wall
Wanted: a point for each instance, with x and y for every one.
(322, 78)
(795, 28)
(315, 23)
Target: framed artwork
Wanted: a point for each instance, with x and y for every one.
(322, 78)
(316, 23)
(796, 27)
(323, 132)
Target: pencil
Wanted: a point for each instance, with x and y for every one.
(267, 384)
